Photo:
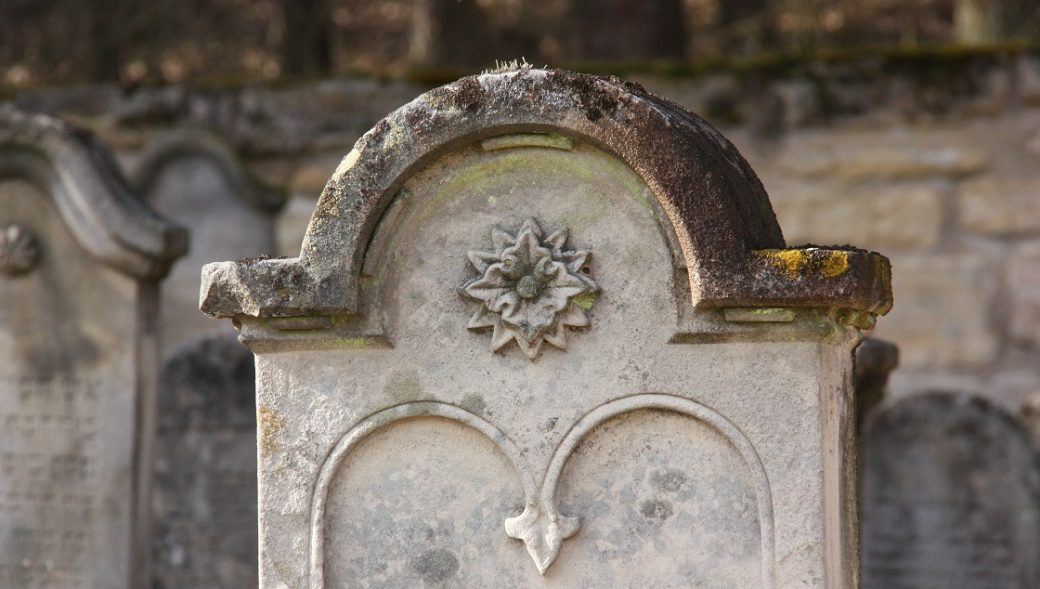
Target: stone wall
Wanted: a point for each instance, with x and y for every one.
(933, 161)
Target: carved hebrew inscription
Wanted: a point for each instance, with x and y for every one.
(530, 288)
(49, 449)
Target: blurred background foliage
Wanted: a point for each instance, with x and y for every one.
(46, 42)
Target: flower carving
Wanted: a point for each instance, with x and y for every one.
(527, 288)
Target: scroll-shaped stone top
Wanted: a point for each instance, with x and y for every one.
(94, 199)
(730, 240)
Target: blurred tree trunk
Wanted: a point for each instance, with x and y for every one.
(450, 33)
(627, 29)
(307, 49)
(977, 21)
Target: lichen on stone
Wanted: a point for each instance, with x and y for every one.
(796, 262)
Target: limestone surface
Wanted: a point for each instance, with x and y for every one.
(695, 426)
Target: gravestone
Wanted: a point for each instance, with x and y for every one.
(195, 179)
(80, 261)
(544, 331)
(205, 487)
(951, 497)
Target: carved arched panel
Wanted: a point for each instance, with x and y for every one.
(664, 499)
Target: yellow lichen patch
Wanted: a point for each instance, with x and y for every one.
(795, 262)
(269, 423)
(790, 260)
(585, 300)
(835, 263)
(353, 343)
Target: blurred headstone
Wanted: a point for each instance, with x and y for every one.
(197, 180)
(951, 497)
(544, 331)
(205, 479)
(80, 259)
(205, 488)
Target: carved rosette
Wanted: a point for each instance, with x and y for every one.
(529, 288)
(19, 250)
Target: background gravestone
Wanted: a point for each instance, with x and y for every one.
(544, 331)
(951, 497)
(80, 259)
(205, 488)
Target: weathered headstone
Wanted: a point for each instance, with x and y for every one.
(205, 488)
(79, 263)
(195, 179)
(205, 475)
(544, 331)
(951, 497)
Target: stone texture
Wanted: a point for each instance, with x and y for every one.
(1000, 205)
(1024, 288)
(895, 162)
(946, 320)
(399, 447)
(78, 360)
(888, 218)
(951, 497)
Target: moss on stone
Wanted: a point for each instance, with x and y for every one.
(586, 300)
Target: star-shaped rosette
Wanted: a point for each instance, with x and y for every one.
(527, 287)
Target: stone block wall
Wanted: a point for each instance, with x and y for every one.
(955, 204)
(933, 161)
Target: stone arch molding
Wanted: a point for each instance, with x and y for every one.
(727, 232)
(92, 196)
(541, 527)
(190, 144)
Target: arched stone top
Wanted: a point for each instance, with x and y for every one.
(186, 144)
(730, 240)
(90, 193)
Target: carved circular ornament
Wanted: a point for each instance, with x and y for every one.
(19, 250)
(530, 289)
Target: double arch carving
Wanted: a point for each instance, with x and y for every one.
(541, 527)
